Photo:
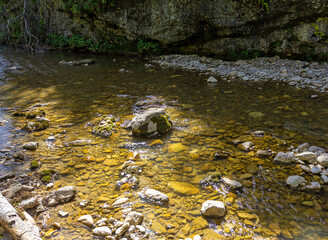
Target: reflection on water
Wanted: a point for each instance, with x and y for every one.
(207, 118)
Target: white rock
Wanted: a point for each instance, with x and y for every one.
(156, 196)
(63, 214)
(323, 159)
(101, 222)
(232, 183)
(315, 169)
(120, 201)
(134, 218)
(86, 220)
(197, 237)
(282, 157)
(306, 156)
(30, 203)
(324, 179)
(122, 229)
(102, 231)
(303, 146)
(212, 80)
(316, 149)
(141, 228)
(294, 181)
(245, 146)
(212, 208)
(313, 187)
(31, 145)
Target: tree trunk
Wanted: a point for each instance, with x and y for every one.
(11, 221)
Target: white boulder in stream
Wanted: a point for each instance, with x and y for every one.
(323, 159)
(152, 121)
(282, 157)
(86, 220)
(212, 208)
(232, 183)
(294, 181)
(102, 231)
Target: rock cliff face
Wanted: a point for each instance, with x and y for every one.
(212, 27)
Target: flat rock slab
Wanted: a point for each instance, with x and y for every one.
(183, 188)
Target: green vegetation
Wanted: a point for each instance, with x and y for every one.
(77, 42)
(34, 165)
(264, 4)
(88, 7)
(46, 175)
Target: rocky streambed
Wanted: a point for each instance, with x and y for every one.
(300, 74)
(230, 161)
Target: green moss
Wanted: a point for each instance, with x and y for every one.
(34, 165)
(46, 179)
(19, 114)
(164, 125)
(48, 172)
(35, 113)
(36, 126)
(105, 126)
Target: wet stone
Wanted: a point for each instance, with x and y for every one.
(102, 231)
(31, 145)
(315, 169)
(323, 159)
(183, 188)
(306, 156)
(232, 183)
(212, 208)
(312, 187)
(86, 220)
(263, 153)
(282, 157)
(295, 181)
(155, 196)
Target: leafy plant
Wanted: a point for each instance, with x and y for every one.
(147, 46)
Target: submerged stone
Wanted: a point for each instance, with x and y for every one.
(177, 147)
(152, 121)
(183, 188)
(282, 157)
(155, 196)
(105, 126)
(232, 183)
(212, 208)
(36, 126)
(323, 159)
(295, 181)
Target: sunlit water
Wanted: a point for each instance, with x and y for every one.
(206, 119)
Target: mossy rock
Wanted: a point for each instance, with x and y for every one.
(48, 172)
(33, 113)
(105, 126)
(212, 178)
(19, 114)
(154, 121)
(36, 126)
(34, 165)
(46, 179)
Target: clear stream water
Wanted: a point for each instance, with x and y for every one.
(206, 118)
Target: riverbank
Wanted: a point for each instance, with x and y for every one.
(301, 74)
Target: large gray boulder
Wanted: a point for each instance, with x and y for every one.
(151, 121)
(212, 208)
(282, 157)
(295, 181)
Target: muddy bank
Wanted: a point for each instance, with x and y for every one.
(301, 74)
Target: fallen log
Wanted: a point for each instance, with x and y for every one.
(18, 228)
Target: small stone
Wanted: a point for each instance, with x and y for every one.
(306, 156)
(121, 230)
(156, 142)
(315, 169)
(158, 227)
(316, 149)
(120, 201)
(245, 146)
(303, 146)
(324, 179)
(232, 183)
(56, 225)
(177, 147)
(294, 181)
(134, 218)
(308, 203)
(51, 139)
(305, 168)
(313, 187)
(212, 80)
(86, 220)
(323, 159)
(102, 231)
(200, 223)
(63, 214)
(156, 196)
(282, 157)
(262, 154)
(49, 186)
(183, 188)
(212, 208)
(30, 203)
(31, 145)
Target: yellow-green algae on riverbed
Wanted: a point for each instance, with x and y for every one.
(176, 163)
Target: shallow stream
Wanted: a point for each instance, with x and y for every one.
(206, 119)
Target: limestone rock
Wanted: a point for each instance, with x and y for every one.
(212, 208)
(134, 218)
(212, 80)
(122, 229)
(156, 196)
(152, 121)
(232, 183)
(86, 220)
(31, 145)
(183, 188)
(323, 159)
(30, 202)
(282, 157)
(102, 231)
(105, 126)
(306, 156)
(295, 181)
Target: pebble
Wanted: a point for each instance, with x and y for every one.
(232, 183)
(212, 208)
(102, 231)
(86, 220)
(63, 214)
(31, 145)
(294, 181)
(323, 159)
(212, 80)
